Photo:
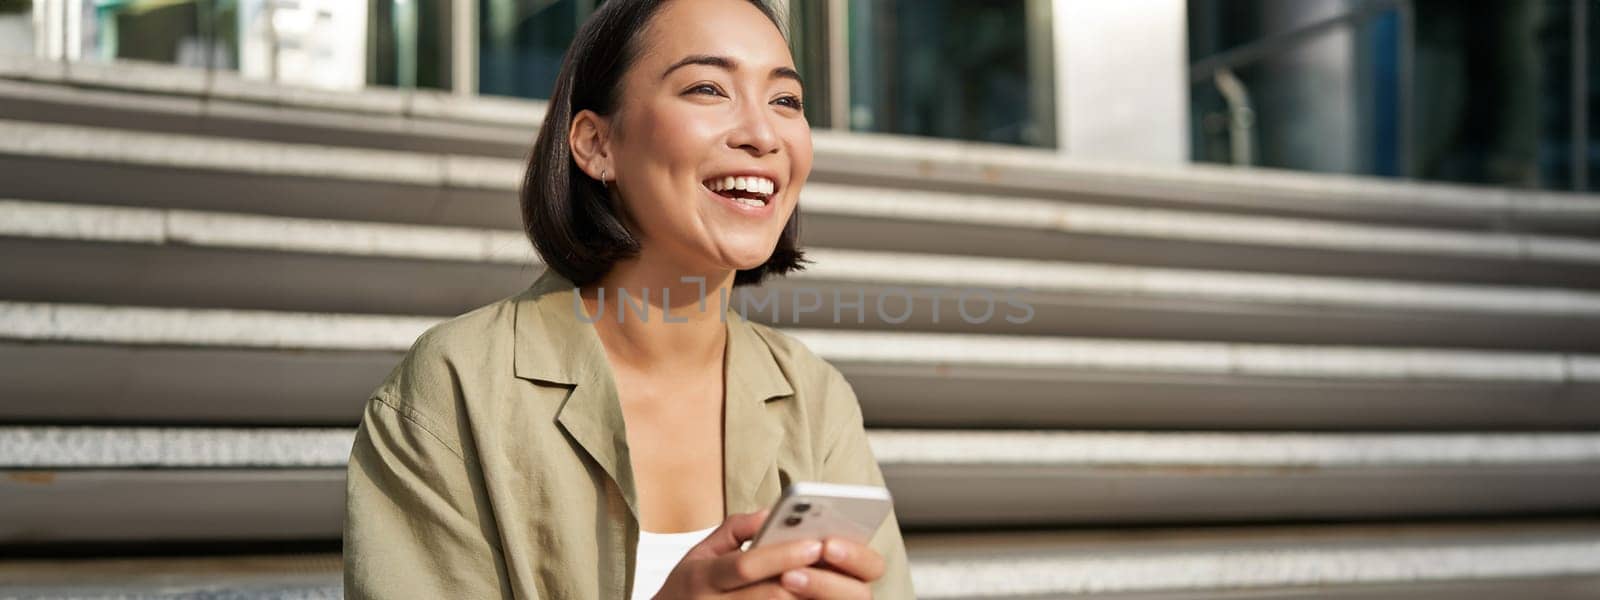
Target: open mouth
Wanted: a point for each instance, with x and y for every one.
(753, 192)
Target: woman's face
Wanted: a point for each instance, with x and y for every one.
(711, 96)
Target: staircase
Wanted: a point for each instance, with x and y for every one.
(1234, 384)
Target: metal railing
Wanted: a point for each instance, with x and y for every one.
(1220, 69)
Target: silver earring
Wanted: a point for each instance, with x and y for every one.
(603, 174)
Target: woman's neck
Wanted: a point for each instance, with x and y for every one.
(660, 319)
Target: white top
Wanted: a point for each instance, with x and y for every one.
(658, 553)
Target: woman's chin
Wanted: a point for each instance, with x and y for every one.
(746, 251)
(747, 258)
(752, 263)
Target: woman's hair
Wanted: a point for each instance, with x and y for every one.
(569, 216)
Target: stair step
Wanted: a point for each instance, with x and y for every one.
(146, 370)
(1551, 560)
(881, 218)
(910, 162)
(269, 576)
(1548, 560)
(134, 78)
(175, 151)
(177, 483)
(82, 323)
(58, 447)
(251, 118)
(466, 190)
(169, 257)
(211, 385)
(77, 164)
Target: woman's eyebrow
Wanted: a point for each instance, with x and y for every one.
(728, 64)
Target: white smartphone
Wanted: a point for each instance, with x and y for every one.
(816, 510)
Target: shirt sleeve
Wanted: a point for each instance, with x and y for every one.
(849, 459)
(414, 527)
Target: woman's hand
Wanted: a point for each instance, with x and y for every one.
(716, 568)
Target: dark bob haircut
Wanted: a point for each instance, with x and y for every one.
(570, 217)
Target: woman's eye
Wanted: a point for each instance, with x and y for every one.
(706, 86)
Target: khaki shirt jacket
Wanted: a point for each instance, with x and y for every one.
(493, 461)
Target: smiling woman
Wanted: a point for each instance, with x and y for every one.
(526, 449)
(703, 102)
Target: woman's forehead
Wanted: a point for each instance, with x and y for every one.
(734, 30)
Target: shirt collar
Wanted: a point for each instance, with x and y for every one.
(554, 345)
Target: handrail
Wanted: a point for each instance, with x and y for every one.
(1273, 45)
(1241, 117)
(1219, 68)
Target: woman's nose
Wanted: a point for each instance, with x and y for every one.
(754, 131)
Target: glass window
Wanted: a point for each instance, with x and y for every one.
(1483, 93)
(1589, 151)
(16, 27)
(521, 43)
(315, 43)
(1307, 102)
(409, 44)
(1566, 97)
(808, 43)
(1480, 72)
(962, 69)
(193, 33)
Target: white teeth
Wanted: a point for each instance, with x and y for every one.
(750, 202)
(759, 185)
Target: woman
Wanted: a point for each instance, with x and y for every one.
(556, 445)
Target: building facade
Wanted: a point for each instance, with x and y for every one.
(1327, 86)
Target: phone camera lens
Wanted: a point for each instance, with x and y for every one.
(792, 521)
(802, 507)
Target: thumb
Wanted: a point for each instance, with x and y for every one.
(730, 535)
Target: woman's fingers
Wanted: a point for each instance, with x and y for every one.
(822, 583)
(854, 559)
(729, 536)
(764, 591)
(738, 569)
(830, 568)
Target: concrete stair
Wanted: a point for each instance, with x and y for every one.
(1549, 559)
(1233, 384)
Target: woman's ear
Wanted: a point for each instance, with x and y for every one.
(589, 140)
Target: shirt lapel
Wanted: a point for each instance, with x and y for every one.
(752, 431)
(555, 345)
